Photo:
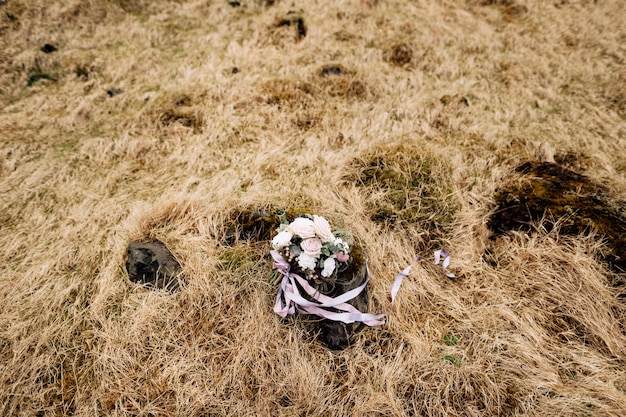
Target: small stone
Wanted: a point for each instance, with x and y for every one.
(153, 265)
(114, 91)
(48, 48)
(332, 70)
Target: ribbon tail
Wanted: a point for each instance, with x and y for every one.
(347, 316)
(446, 262)
(438, 256)
(326, 301)
(281, 307)
(397, 282)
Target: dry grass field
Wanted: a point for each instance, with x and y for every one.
(398, 120)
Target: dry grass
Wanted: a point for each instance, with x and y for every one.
(225, 107)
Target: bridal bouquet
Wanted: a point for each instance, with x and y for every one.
(309, 243)
(309, 246)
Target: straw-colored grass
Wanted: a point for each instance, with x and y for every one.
(224, 108)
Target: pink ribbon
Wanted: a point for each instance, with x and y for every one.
(289, 300)
(441, 253)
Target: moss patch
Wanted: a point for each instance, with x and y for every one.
(236, 260)
(250, 224)
(548, 192)
(406, 185)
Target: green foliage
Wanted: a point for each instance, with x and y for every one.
(454, 360)
(236, 259)
(450, 339)
(36, 73)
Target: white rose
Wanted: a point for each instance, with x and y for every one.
(282, 239)
(322, 228)
(329, 267)
(307, 262)
(312, 246)
(341, 245)
(302, 227)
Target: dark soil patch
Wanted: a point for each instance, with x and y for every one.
(286, 93)
(294, 19)
(455, 99)
(37, 77)
(183, 110)
(84, 71)
(252, 225)
(187, 117)
(400, 54)
(344, 36)
(558, 196)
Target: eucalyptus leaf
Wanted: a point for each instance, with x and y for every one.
(295, 249)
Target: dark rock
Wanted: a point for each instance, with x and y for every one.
(334, 334)
(114, 91)
(333, 70)
(234, 3)
(153, 265)
(558, 196)
(48, 48)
